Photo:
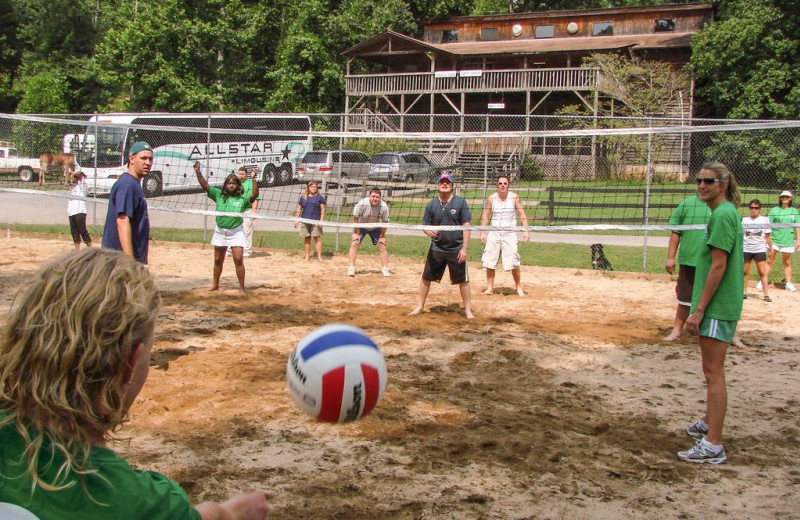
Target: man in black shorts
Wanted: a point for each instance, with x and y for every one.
(448, 248)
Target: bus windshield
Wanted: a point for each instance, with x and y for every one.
(110, 145)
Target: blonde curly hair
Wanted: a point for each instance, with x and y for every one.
(64, 354)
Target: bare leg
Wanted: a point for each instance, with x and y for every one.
(307, 247)
(489, 281)
(354, 244)
(422, 295)
(747, 274)
(713, 353)
(219, 259)
(515, 274)
(787, 266)
(238, 262)
(77, 245)
(384, 254)
(318, 244)
(465, 296)
(763, 274)
(681, 315)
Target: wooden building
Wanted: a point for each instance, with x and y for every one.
(513, 64)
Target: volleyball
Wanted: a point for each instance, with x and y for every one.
(336, 374)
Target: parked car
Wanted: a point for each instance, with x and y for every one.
(331, 165)
(401, 166)
(25, 168)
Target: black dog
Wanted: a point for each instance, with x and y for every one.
(599, 260)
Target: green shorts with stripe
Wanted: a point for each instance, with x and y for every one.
(718, 329)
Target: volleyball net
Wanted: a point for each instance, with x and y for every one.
(580, 180)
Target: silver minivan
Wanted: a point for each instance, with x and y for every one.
(329, 165)
(401, 166)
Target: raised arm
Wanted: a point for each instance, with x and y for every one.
(254, 195)
(202, 180)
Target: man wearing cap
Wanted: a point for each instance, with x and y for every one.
(127, 227)
(448, 249)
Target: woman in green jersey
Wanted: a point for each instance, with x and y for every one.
(785, 241)
(229, 231)
(716, 304)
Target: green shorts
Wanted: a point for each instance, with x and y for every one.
(718, 329)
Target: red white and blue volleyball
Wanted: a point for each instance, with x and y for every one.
(336, 374)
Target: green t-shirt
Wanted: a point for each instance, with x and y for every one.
(230, 204)
(783, 237)
(691, 211)
(125, 494)
(724, 232)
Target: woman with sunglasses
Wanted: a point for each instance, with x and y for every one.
(716, 304)
(756, 244)
(786, 241)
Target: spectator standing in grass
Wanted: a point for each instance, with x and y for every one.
(784, 241)
(756, 244)
(76, 209)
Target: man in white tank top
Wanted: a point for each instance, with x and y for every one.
(503, 208)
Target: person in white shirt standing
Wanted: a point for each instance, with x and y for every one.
(76, 209)
(370, 210)
(503, 208)
(756, 244)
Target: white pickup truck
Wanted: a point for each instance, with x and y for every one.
(26, 168)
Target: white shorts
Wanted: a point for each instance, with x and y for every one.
(780, 249)
(498, 245)
(228, 237)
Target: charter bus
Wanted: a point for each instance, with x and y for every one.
(276, 152)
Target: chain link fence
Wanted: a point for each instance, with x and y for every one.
(567, 170)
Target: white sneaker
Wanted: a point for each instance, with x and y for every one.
(385, 272)
(759, 286)
(246, 254)
(351, 270)
(790, 287)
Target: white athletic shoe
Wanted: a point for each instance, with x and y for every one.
(351, 270)
(759, 286)
(790, 287)
(385, 272)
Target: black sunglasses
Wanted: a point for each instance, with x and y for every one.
(755, 207)
(706, 180)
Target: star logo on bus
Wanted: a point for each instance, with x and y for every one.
(285, 153)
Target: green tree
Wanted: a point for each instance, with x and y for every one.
(747, 65)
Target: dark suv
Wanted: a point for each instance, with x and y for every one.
(401, 166)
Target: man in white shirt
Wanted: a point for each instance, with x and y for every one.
(370, 210)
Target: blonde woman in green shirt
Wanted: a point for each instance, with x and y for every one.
(716, 304)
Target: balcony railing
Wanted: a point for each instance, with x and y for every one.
(517, 80)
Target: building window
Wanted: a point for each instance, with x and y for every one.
(603, 29)
(490, 34)
(449, 36)
(665, 25)
(545, 31)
